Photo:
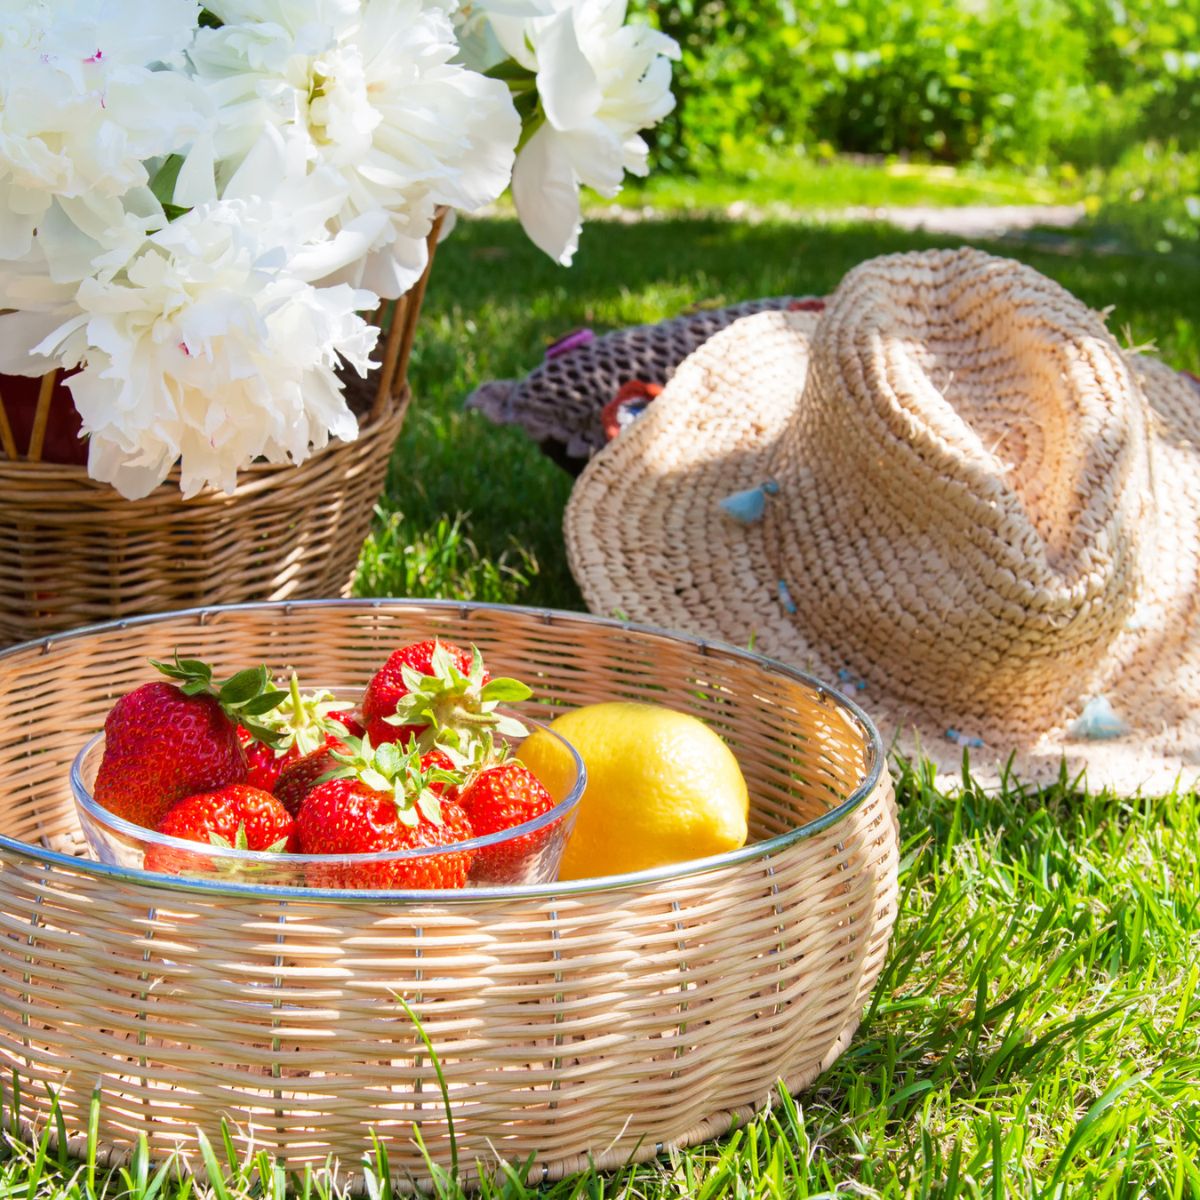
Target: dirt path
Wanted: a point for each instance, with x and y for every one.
(972, 221)
(983, 221)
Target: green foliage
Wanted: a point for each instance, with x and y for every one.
(1143, 67)
(400, 560)
(1151, 199)
(937, 79)
(1019, 81)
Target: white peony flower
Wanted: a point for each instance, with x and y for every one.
(83, 102)
(479, 45)
(366, 88)
(211, 347)
(599, 82)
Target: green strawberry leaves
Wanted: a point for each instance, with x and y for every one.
(245, 696)
(298, 719)
(192, 675)
(240, 841)
(505, 691)
(397, 772)
(457, 709)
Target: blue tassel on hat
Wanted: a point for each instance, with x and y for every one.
(748, 507)
(959, 738)
(1098, 722)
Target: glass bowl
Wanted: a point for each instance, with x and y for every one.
(525, 854)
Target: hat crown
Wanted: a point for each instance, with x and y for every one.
(974, 451)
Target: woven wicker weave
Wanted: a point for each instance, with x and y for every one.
(569, 1022)
(558, 403)
(985, 512)
(74, 551)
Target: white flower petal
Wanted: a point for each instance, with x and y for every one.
(566, 82)
(84, 101)
(20, 334)
(320, 260)
(197, 179)
(209, 350)
(597, 156)
(16, 228)
(546, 194)
(365, 89)
(510, 30)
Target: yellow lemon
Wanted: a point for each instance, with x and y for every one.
(662, 787)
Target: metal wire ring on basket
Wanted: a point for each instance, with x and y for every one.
(575, 1022)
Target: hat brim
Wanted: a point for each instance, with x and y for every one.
(647, 539)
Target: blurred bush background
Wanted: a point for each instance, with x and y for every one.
(1100, 95)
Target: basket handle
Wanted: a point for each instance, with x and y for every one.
(41, 419)
(7, 442)
(397, 350)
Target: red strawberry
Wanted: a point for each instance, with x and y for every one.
(263, 764)
(349, 719)
(163, 742)
(502, 796)
(299, 776)
(496, 799)
(161, 745)
(237, 816)
(299, 726)
(438, 760)
(434, 691)
(384, 802)
(388, 686)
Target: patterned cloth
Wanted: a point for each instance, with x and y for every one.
(560, 403)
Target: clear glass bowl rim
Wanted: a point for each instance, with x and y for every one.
(282, 861)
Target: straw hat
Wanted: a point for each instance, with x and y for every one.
(956, 499)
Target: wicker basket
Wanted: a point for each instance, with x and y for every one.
(591, 1021)
(74, 551)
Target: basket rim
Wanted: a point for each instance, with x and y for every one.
(254, 476)
(556, 889)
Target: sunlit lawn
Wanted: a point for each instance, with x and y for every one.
(1035, 1030)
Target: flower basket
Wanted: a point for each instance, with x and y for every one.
(600, 1020)
(73, 551)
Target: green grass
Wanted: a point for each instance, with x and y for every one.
(1035, 1030)
(795, 179)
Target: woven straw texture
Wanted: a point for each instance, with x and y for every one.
(606, 1024)
(986, 515)
(73, 551)
(558, 403)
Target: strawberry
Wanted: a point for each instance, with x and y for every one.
(301, 725)
(350, 721)
(498, 798)
(380, 801)
(235, 817)
(164, 741)
(262, 763)
(434, 691)
(502, 796)
(388, 686)
(299, 776)
(437, 760)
